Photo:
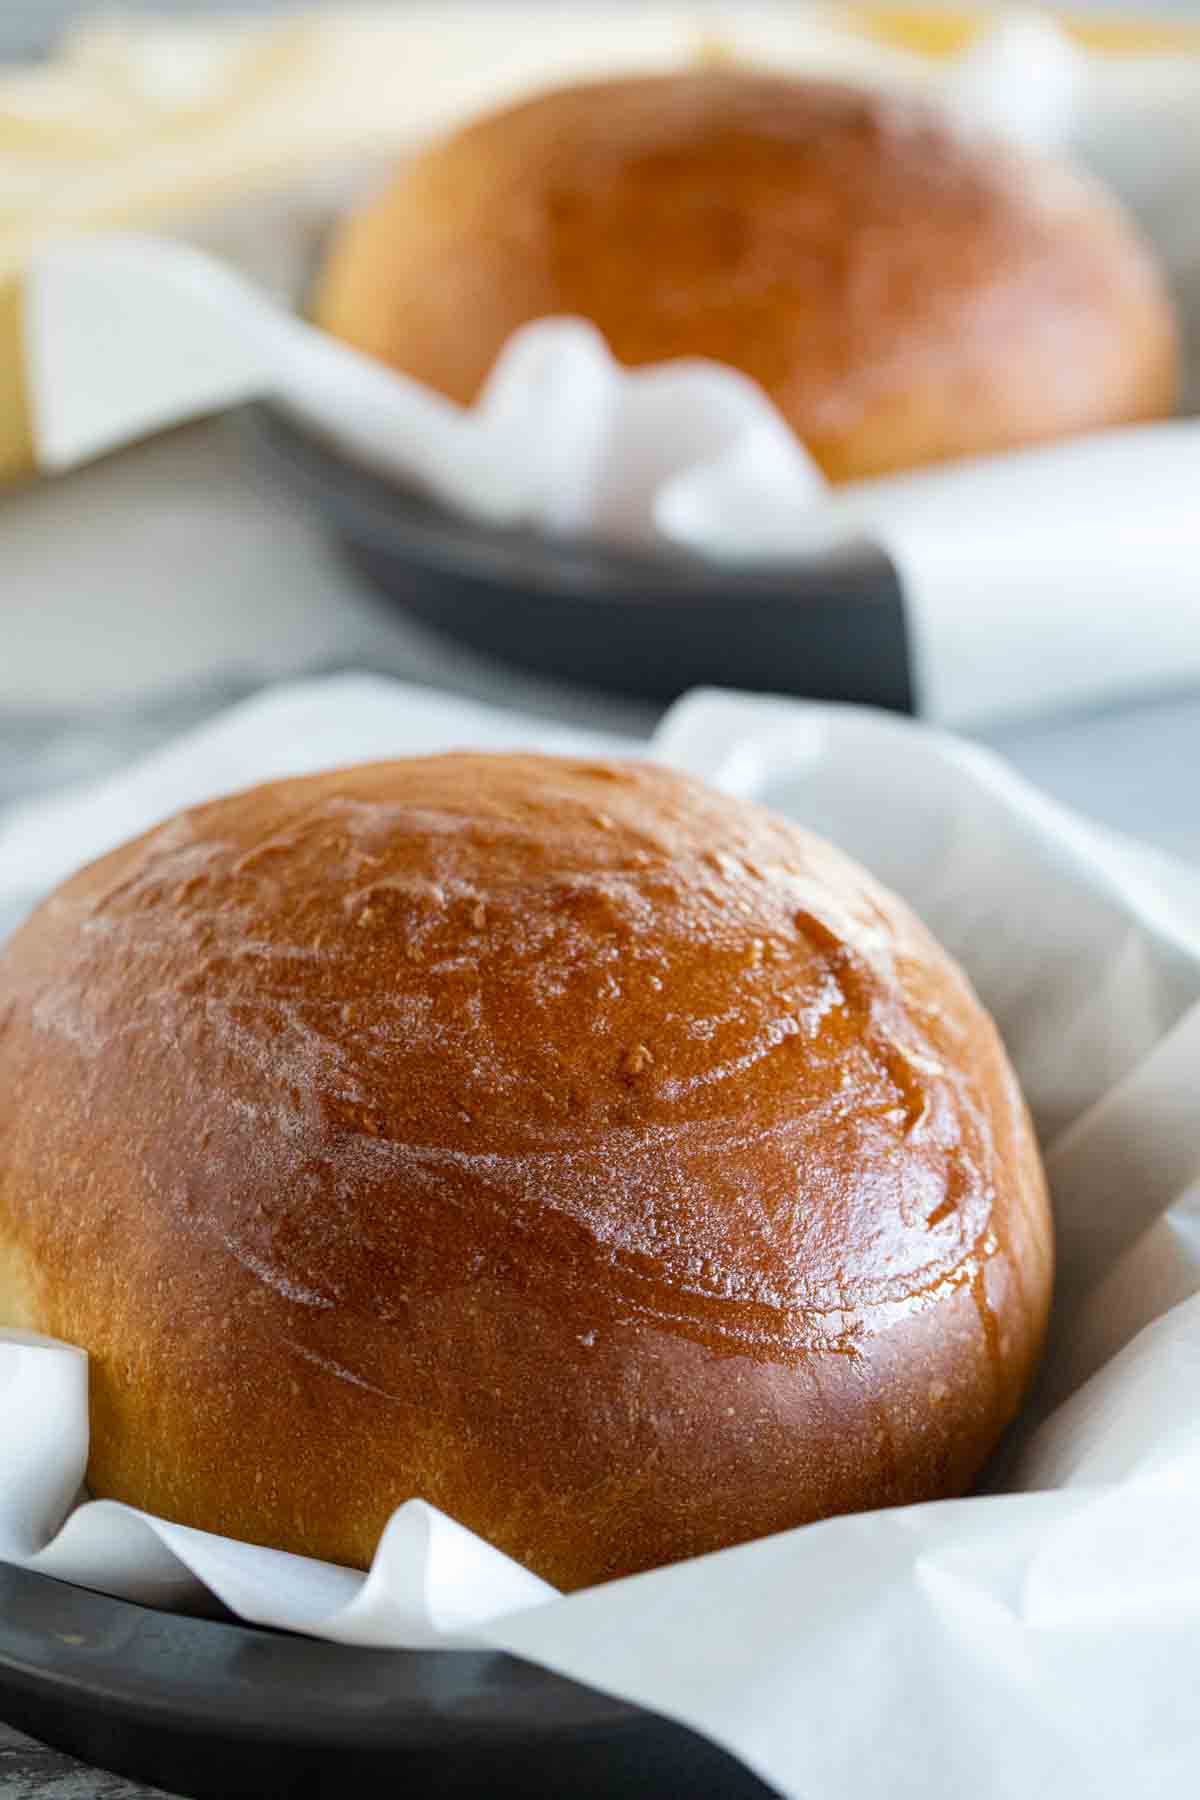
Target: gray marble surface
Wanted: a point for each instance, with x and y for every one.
(30, 1771)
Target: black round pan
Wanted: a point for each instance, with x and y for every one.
(210, 1708)
(831, 627)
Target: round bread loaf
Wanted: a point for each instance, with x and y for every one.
(615, 1166)
(902, 294)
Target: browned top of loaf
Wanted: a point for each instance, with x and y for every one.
(590, 1030)
(902, 292)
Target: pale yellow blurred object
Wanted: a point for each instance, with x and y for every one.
(147, 123)
(945, 31)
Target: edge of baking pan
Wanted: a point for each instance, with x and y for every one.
(207, 1707)
(830, 626)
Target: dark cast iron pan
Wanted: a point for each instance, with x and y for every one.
(214, 1709)
(644, 624)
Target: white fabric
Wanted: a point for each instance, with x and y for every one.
(1039, 1639)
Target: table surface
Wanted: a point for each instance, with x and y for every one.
(29, 1771)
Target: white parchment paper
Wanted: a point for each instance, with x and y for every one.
(1039, 1638)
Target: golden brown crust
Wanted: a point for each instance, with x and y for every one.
(904, 296)
(615, 1166)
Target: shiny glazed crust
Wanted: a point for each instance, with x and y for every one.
(610, 1163)
(904, 296)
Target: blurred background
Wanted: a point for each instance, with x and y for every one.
(146, 590)
(28, 27)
